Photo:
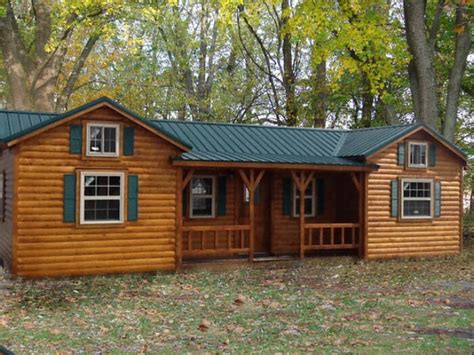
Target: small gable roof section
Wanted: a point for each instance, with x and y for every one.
(16, 126)
(366, 142)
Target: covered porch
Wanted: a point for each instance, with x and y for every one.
(257, 210)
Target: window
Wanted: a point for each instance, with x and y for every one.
(202, 196)
(417, 154)
(309, 200)
(2, 197)
(101, 197)
(417, 198)
(103, 139)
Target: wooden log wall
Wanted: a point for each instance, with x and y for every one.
(389, 237)
(7, 166)
(48, 247)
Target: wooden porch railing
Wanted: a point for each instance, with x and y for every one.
(319, 236)
(215, 240)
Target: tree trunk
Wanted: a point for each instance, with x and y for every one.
(423, 62)
(415, 90)
(32, 74)
(463, 46)
(320, 96)
(63, 99)
(471, 202)
(288, 72)
(16, 61)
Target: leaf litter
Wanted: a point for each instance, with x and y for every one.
(324, 304)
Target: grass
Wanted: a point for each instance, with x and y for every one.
(322, 305)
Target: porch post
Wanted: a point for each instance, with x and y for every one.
(252, 215)
(361, 193)
(363, 215)
(302, 213)
(251, 182)
(302, 183)
(181, 184)
(179, 219)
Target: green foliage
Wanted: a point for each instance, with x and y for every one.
(191, 60)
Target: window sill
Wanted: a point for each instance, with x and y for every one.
(101, 157)
(100, 225)
(427, 220)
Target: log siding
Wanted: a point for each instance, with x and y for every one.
(46, 246)
(35, 240)
(389, 237)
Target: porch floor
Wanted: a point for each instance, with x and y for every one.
(264, 257)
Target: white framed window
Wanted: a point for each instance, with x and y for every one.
(417, 198)
(417, 154)
(102, 197)
(103, 139)
(309, 200)
(202, 196)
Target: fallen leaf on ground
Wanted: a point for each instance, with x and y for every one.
(204, 326)
(240, 300)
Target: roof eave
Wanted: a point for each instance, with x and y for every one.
(272, 165)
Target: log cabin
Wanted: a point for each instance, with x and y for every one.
(101, 190)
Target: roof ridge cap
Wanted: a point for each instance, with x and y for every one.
(388, 126)
(340, 144)
(252, 125)
(27, 111)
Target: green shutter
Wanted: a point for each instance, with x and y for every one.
(257, 194)
(320, 195)
(432, 155)
(69, 198)
(75, 139)
(222, 196)
(132, 196)
(185, 201)
(286, 194)
(437, 199)
(128, 140)
(401, 154)
(394, 198)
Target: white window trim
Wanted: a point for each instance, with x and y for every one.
(412, 143)
(403, 198)
(313, 212)
(117, 140)
(83, 197)
(213, 197)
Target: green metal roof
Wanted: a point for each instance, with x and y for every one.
(11, 120)
(224, 142)
(365, 141)
(13, 123)
(271, 144)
